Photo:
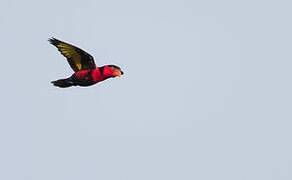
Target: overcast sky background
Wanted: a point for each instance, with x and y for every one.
(206, 92)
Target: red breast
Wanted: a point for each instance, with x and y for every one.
(96, 75)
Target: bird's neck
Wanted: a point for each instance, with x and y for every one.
(101, 73)
(106, 71)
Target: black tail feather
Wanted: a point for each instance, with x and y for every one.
(63, 83)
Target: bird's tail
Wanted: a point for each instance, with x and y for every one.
(63, 83)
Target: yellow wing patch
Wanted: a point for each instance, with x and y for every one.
(70, 52)
(76, 57)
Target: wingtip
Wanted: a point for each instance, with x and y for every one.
(53, 40)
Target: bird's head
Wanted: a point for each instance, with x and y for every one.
(112, 71)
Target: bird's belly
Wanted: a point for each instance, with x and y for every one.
(84, 82)
(87, 77)
(82, 78)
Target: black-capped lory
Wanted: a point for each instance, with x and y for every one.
(86, 73)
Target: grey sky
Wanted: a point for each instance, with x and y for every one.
(206, 92)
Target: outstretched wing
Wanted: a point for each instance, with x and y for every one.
(77, 58)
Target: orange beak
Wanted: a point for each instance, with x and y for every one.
(117, 73)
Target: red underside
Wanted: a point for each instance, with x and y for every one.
(95, 75)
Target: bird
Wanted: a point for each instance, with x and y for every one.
(86, 73)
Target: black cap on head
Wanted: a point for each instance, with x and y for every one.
(114, 66)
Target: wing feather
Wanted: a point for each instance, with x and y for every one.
(76, 57)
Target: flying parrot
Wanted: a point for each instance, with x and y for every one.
(86, 73)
